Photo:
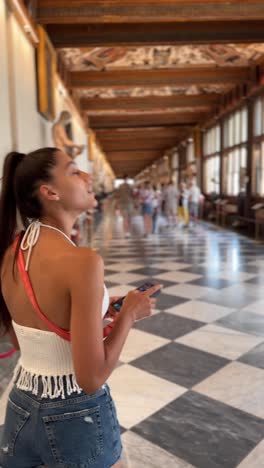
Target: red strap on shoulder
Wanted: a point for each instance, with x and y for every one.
(28, 286)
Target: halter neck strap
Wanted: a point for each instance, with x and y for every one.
(31, 236)
(30, 239)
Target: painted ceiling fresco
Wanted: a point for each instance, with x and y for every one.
(109, 58)
(162, 91)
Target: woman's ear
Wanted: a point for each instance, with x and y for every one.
(48, 193)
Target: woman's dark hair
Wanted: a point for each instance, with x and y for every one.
(22, 176)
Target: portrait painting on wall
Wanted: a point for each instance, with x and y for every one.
(46, 69)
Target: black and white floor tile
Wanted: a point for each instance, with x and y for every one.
(189, 384)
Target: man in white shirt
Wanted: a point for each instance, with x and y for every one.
(125, 202)
(170, 198)
(194, 198)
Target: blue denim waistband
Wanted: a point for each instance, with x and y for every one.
(37, 402)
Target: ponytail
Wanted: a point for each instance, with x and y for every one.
(22, 175)
(8, 222)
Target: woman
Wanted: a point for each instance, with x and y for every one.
(147, 209)
(183, 213)
(60, 411)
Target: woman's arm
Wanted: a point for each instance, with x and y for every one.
(95, 359)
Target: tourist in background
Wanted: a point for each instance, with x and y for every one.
(125, 203)
(194, 198)
(170, 197)
(156, 205)
(147, 208)
(183, 199)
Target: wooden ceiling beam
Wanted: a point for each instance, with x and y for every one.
(92, 105)
(159, 77)
(139, 120)
(122, 11)
(143, 132)
(173, 33)
(120, 167)
(139, 143)
(132, 156)
(140, 146)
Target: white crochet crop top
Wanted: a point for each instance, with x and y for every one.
(45, 356)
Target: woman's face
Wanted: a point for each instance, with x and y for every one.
(74, 187)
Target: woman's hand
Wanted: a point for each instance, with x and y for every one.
(139, 304)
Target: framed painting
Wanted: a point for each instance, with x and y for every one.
(46, 75)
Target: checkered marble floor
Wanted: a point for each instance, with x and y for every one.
(189, 384)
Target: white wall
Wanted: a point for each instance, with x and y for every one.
(30, 126)
(5, 125)
(22, 128)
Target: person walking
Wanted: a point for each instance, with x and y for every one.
(125, 203)
(170, 196)
(156, 202)
(52, 300)
(194, 198)
(183, 213)
(147, 208)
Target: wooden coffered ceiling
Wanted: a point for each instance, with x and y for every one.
(145, 73)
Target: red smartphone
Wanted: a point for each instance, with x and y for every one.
(118, 304)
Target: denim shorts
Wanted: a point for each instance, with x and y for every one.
(147, 209)
(81, 431)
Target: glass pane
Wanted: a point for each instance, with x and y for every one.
(262, 155)
(258, 117)
(229, 183)
(236, 160)
(211, 174)
(224, 174)
(217, 138)
(243, 158)
(212, 141)
(217, 173)
(244, 124)
(236, 187)
(175, 161)
(237, 127)
(210, 149)
(226, 133)
(204, 144)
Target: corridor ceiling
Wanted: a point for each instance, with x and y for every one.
(147, 72)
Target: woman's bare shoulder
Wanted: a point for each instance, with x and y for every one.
(80, 261)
